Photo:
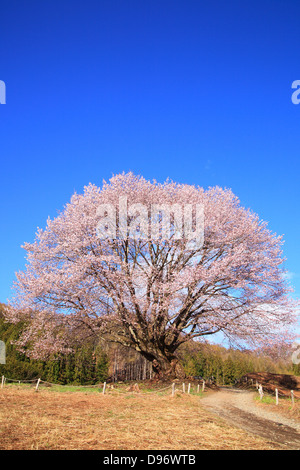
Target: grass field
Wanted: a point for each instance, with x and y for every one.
(65, 418)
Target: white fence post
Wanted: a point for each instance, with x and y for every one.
(2, 382)
(183, 387)
(189, 388)
(203, 385)
(104, 387)
(198, 388)
(37, 385)
(292, 396)
(261, 392)
(276, 393)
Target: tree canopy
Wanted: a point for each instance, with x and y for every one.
(143, 289)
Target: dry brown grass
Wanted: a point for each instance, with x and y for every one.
(78, 420)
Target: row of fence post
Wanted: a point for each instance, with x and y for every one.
(104, 386)
(258, 386)
(3, 380)
(189, 388)
(261, 394)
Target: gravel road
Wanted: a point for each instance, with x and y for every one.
(239, 409)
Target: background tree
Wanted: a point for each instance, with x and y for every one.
(91, 361)
(152, 294)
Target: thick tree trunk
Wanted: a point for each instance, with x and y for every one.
(165, 365)
(167, 368)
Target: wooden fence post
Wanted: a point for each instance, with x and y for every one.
(104, 387)
(37, 385)
(292, 396)
(183, 387)
(198, 388)
(203, 386)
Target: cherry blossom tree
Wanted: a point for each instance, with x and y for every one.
(152, 293)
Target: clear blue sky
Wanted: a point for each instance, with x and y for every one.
(196, 91)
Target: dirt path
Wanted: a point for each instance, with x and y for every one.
(238, 408)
